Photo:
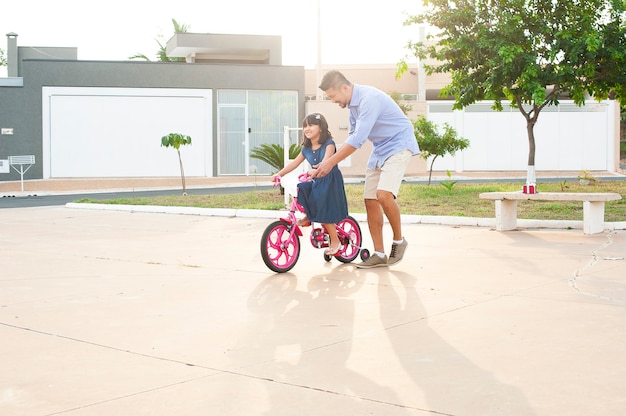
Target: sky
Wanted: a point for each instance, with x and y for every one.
(351, 31)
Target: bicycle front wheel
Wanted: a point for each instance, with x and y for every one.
(279, 248)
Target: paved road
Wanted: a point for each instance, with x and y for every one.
(115, 313)
(35, 200)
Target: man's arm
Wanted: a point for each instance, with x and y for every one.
(326, 165)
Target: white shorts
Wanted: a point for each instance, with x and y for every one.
(387, 177)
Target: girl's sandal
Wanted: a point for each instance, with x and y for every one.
(332, 251)
(304, 222)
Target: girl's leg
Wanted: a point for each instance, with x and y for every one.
(334, 243)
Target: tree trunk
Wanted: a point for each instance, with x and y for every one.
(430, 174)
(531, 119)
(530, 174)
(182, 172)
(531, 142)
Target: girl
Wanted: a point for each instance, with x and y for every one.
(324, 199)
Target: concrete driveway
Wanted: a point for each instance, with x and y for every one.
(133, 313)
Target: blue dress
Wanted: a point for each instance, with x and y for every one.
(324, 199)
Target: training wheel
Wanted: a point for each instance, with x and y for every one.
(365, 254)
(327, 257)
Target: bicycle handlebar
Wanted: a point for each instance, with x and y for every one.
(303, 177)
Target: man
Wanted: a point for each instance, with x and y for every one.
(375, 116)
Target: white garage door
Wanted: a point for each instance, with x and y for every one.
(116, 132)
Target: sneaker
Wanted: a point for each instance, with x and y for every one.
(373, 261)
(397, 252)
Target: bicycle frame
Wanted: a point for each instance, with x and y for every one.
(280, 243)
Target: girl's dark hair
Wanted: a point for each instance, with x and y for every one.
(315, 119)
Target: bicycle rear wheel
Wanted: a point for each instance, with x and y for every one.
(351, 239)
(279, 250)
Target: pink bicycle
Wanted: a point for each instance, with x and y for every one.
(280, 243)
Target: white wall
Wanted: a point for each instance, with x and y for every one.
(567, 137)
(116, 132)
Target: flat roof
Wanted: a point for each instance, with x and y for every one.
(211, 47)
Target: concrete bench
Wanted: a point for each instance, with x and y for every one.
(593, 206)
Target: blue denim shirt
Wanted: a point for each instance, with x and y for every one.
(375, 116)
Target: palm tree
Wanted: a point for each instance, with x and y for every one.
(273, 154)
(161, 53)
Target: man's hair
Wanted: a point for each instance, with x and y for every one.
(333, 79)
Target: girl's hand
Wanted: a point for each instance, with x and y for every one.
(276, 180)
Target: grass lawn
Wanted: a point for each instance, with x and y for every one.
(417, 199)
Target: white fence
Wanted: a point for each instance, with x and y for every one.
(567, 137)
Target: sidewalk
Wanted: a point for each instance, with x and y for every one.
(86, 185)
(131, 313)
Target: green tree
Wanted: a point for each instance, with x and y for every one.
(3, 58)
(528, 52)
(431, 143)
(161, 53)
(176, 140)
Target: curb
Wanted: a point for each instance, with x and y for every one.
(406, 219)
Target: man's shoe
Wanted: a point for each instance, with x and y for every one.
(373, 261)
(397, 252)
